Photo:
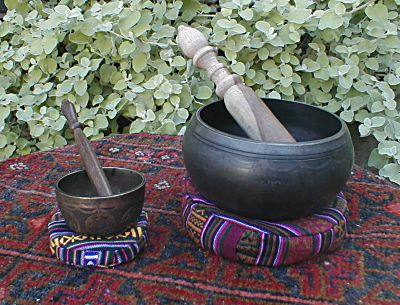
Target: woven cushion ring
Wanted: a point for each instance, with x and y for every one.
(84, 250)
(260, 242)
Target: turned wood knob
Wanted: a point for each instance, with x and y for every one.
(247, 109)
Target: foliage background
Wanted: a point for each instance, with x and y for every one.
(119, 61)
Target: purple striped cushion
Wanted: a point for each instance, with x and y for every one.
(260, 242)
(83, 250)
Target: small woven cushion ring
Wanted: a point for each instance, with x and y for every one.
(84, 250)
(260, 242)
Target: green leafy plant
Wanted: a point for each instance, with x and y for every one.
(119, 59)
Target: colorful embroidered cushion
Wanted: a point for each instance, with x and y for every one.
(261, 242)
(83, 250)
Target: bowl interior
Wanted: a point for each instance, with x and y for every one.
(121, 181)
(304, 122)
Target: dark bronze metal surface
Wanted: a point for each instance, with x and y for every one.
(87, 213)
(269, 180)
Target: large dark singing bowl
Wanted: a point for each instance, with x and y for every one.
(269, 180)
(87, 213)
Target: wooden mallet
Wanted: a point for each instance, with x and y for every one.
(92, 165)
(247, 109)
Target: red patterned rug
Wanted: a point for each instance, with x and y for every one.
(172, 269)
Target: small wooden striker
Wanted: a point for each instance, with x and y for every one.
(92, 165)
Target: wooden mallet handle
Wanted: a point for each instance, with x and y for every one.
(92, 165)
(247, 109)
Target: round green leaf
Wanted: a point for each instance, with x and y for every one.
(204, 92)
(36, 130)
(150, 116)
(59, 141)
(378, 12)
(167, 128)
(286, 70)
(219, 36)
(128, 22)
(79, 38)
(89, 26)
(36, 47)
(246, 14)
(183, 113)
(178, 61)
(80, 87)
(139, 62)
(224, 23)
(372, 63)
(49, 44)
(340, 9)
(120, 85)
(103, 44)
(263, 53)
(347, 115)
(390, 104)
(286, 81)
(48, 65)
(65, 87)
(111, 8)
(161, 94)
(4, 112)
(239, 68)
(295, 36)
(275, 74)
(274, 94)
(3, 141)
(160, 9)
(262, 26)
(330, 20)
(364, 130)
(73, 71)
(393, 80)
(299, 16)
(100, 121)
(345, 82)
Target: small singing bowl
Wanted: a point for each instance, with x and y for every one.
(87, 213)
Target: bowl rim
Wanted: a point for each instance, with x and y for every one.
(142, 183)
(329, 139)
